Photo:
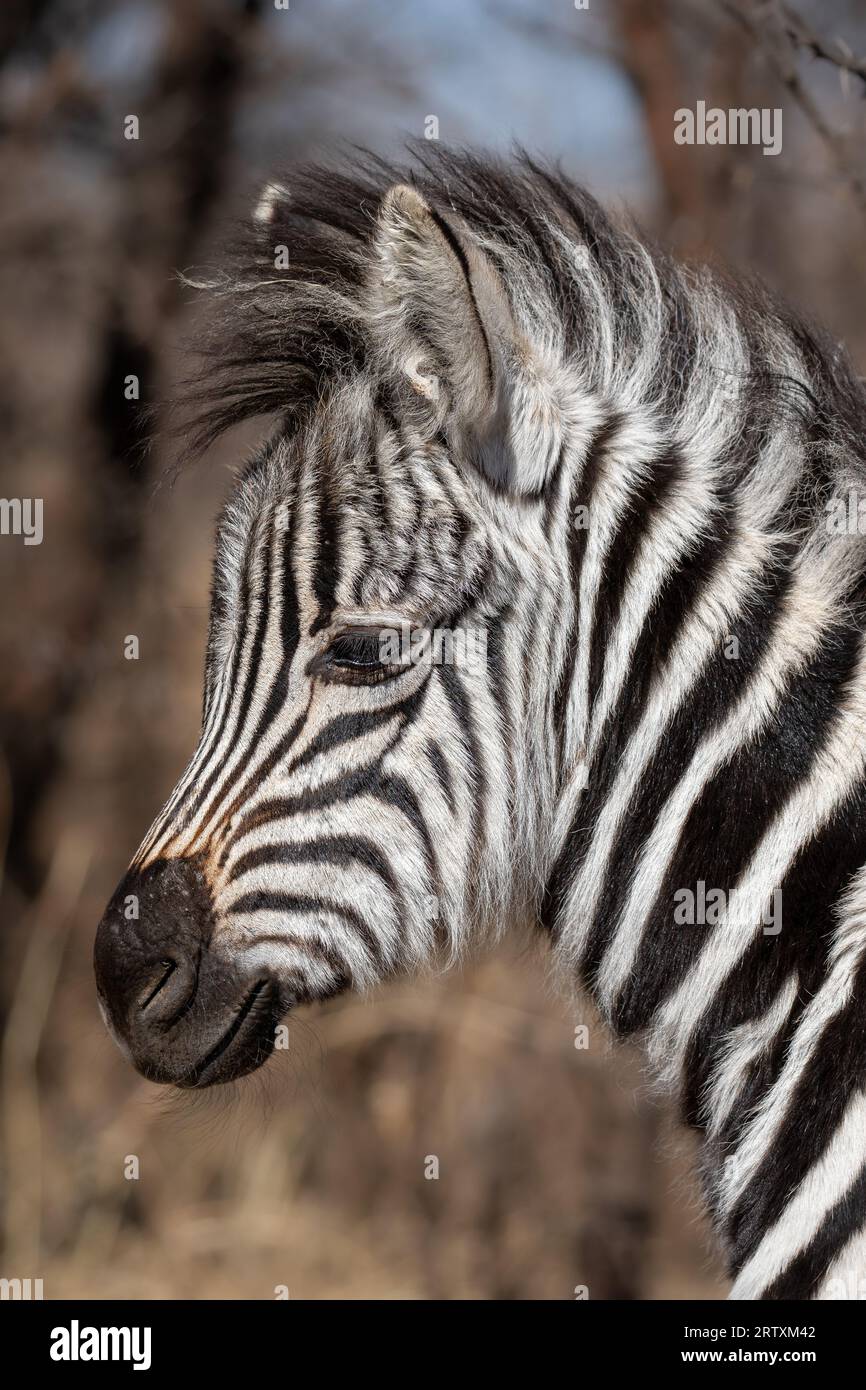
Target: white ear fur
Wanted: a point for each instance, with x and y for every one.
(422, 380)
(269, 200)
(426, 307)
(444, 322)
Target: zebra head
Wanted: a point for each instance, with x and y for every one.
(374, 781)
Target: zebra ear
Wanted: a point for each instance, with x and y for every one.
(269, 201)
(442, 315)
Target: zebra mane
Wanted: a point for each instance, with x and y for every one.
(288, 312)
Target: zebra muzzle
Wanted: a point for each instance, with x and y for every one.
(184, 1012)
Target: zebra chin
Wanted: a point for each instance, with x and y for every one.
(185, 1011)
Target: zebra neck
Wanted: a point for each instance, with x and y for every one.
(708, 886)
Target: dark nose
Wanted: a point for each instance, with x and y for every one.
(185, 1010)
(148, 955)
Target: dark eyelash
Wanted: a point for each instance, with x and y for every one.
(354, 658)
(357, 649)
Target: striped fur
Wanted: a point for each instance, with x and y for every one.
(611, 752)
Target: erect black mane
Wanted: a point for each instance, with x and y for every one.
(276, 336)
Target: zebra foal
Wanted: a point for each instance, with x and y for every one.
(628, 484)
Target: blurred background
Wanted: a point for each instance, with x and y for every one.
(558, 1167)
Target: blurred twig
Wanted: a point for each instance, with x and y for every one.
(780, 33)
(804, 36)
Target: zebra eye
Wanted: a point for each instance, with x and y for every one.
(355, 658)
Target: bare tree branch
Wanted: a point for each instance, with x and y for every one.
(804, 36)
(769, 23)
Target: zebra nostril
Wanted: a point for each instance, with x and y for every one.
(157, 982)
(167, 992)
